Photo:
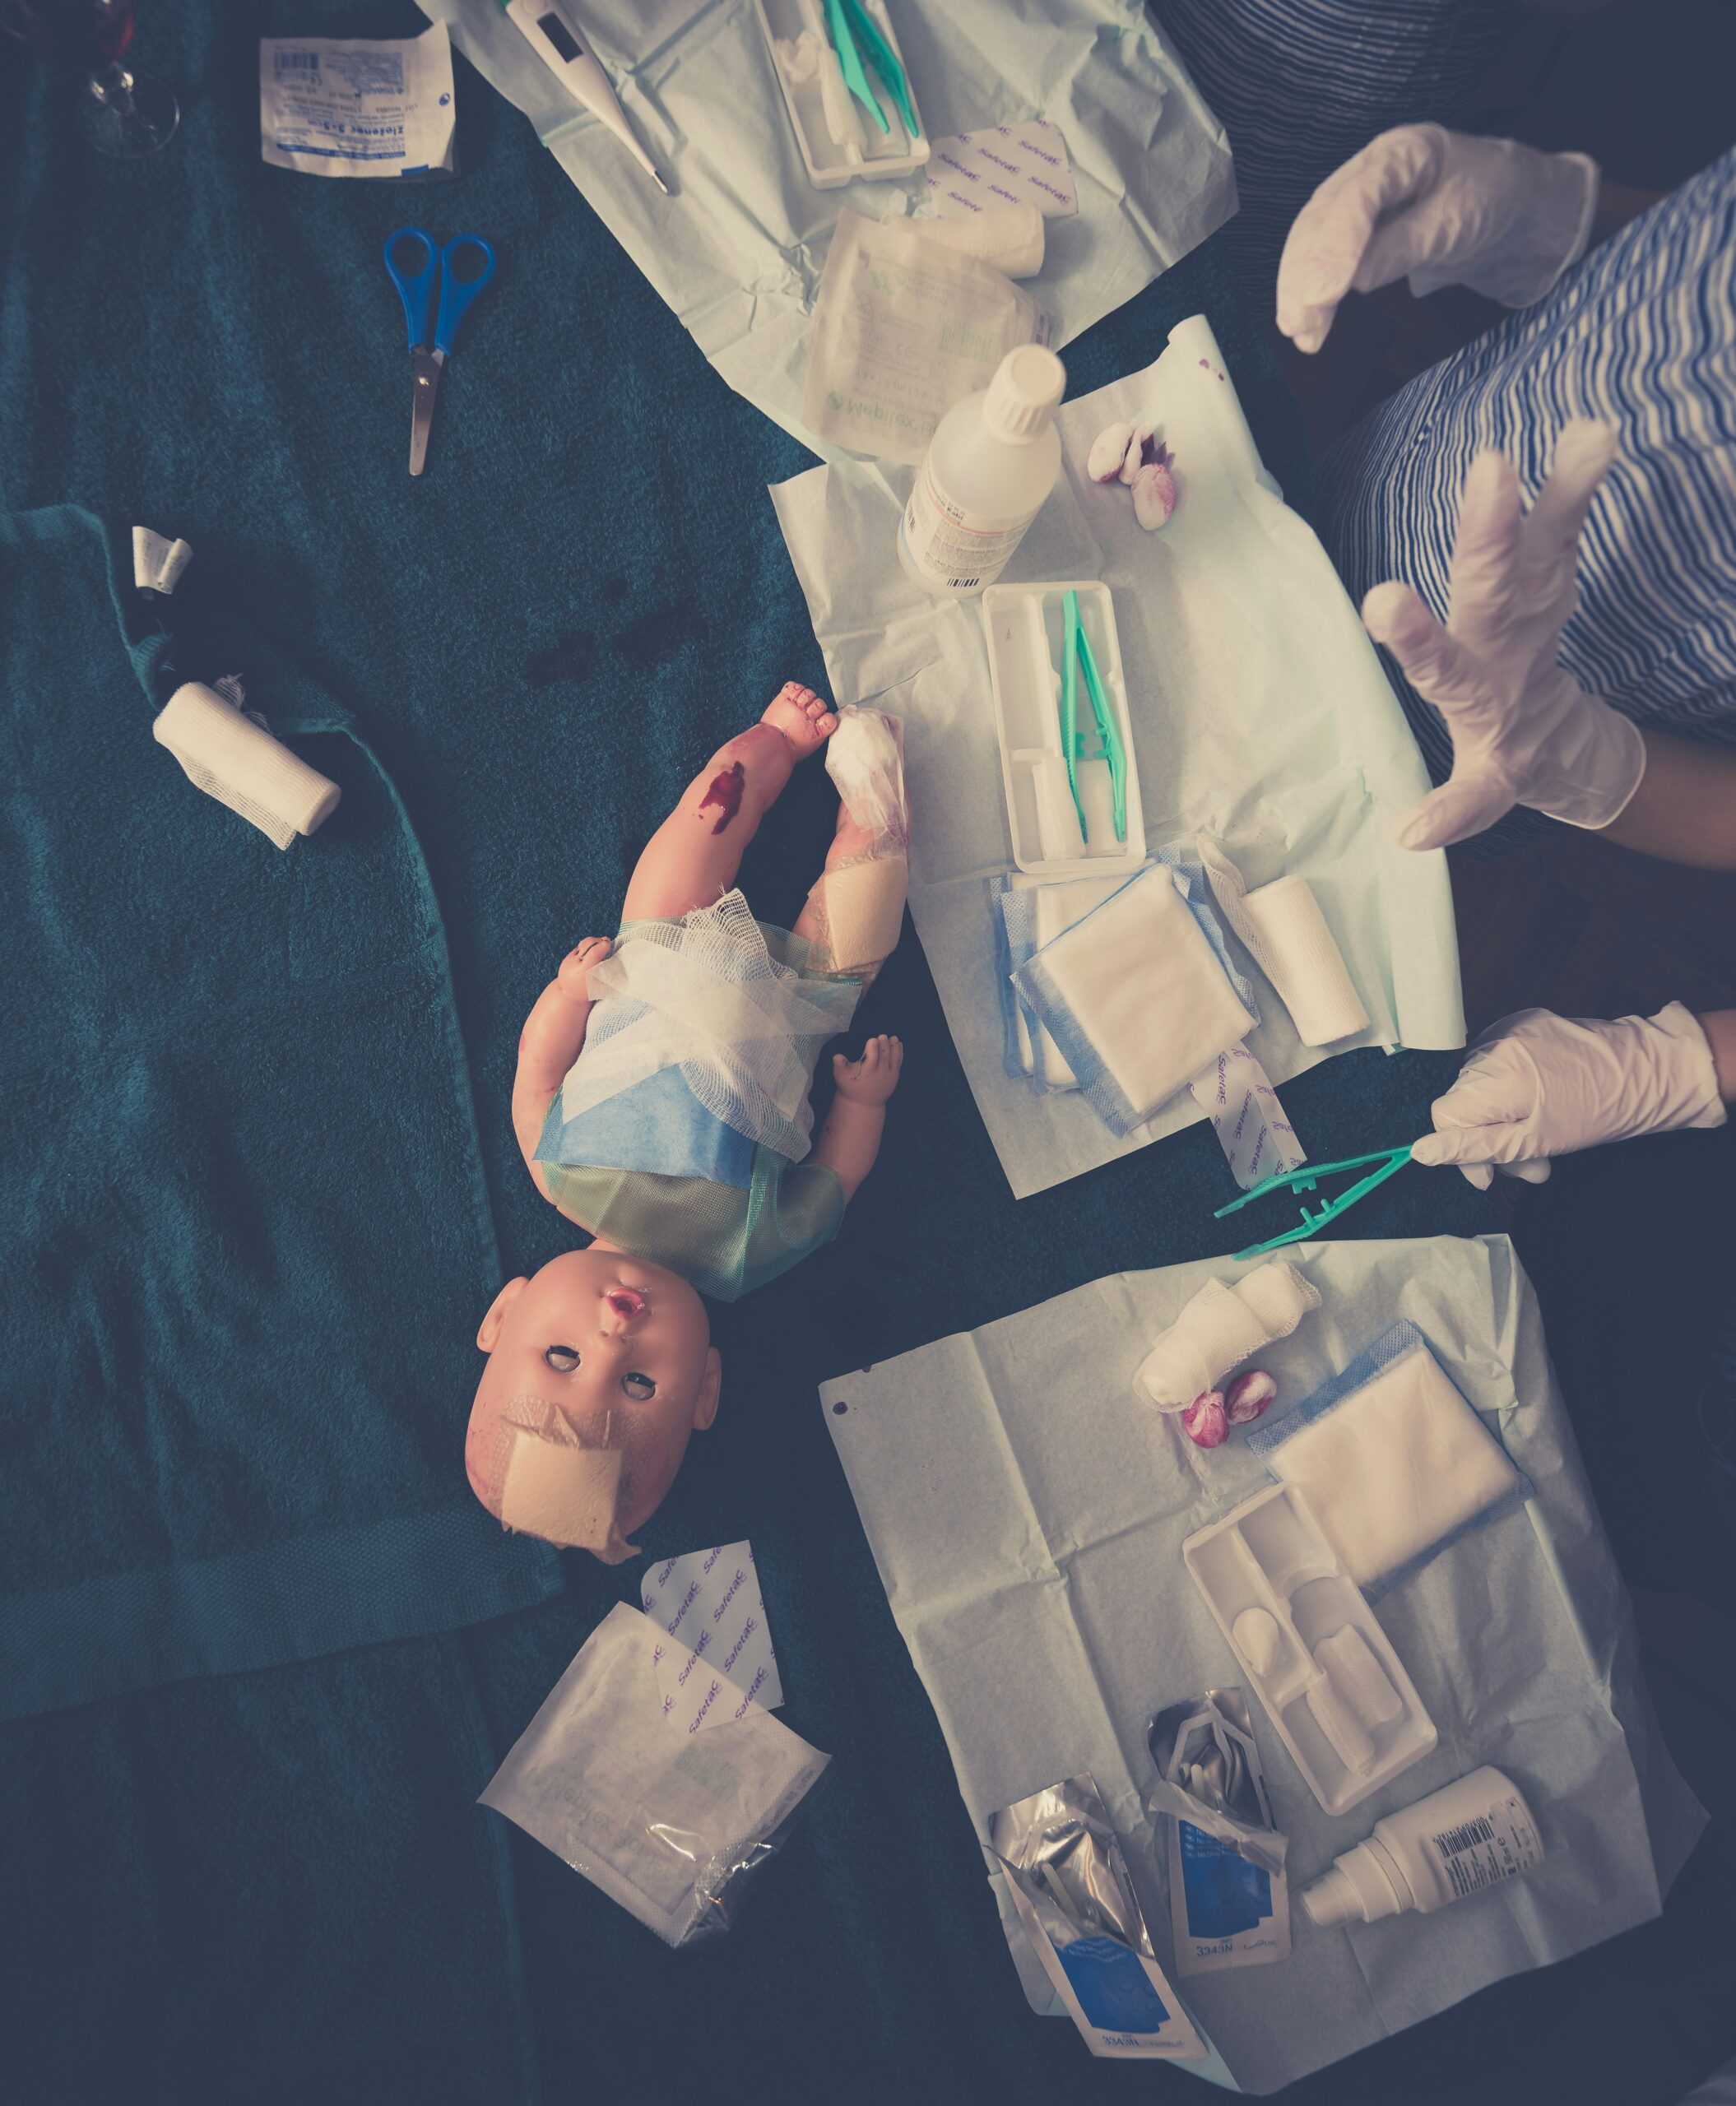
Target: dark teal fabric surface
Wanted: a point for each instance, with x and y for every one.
(274, 1885)
(243, 1213)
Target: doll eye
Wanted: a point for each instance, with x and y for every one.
(639, 1387)
(563, 1359)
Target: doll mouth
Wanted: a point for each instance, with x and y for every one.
(626, 1301)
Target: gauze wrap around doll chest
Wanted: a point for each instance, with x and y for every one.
(680, 1131)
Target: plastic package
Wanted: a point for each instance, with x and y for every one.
(1228, 1901)
(903, 330)
(1473, 1834)
(667, 1822)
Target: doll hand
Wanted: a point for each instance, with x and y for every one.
(575, 968)
(873, 1078)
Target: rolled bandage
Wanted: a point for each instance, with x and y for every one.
(230, 757)
(1220, 1329)
(1306, 965)
(565, 1494)
(1010, 238)
(861, 907)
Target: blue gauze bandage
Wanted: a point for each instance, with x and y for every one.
(1395, 1463)
(1139, 994)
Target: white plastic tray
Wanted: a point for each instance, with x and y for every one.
(1269, 1554)
(1024, 625)
(829, 166)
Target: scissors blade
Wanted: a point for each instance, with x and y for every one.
(425, 374)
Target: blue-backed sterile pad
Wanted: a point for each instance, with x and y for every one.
(1393, 1461)
(1261, 721)
(738, 251)
(1139, 996)
(1027, 1513)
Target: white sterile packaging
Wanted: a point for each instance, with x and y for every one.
(737, 251)
(665, 1819)
(1261, 720)
(357, 106)
(902, 331)
(1391, 1459)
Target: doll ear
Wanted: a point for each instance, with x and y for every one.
(489, 1337)
(711, 1386)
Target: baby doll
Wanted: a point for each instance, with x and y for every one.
(661, 1105)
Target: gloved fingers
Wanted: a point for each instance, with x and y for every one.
(1479, 1174)
(1490, 1146)
(1433, 660)
(1485, 570)
(1534, 1170)
(1583, 454)
(1464, 804)
(1326, 245)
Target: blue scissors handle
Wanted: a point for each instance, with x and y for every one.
(412, 263)
(462, 268)
(467, 264)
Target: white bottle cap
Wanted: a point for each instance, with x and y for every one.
(1021, 398)
(1357, 1886)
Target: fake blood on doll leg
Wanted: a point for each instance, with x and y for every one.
(724, 791)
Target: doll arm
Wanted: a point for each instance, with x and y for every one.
(553, 1037)
(850, 1139)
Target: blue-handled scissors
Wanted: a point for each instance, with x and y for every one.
(416, 267)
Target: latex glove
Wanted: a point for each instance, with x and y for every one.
(1524, 730)
(1441, 208)
(1538, 1085)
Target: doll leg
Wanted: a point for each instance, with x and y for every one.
(692, 859)
(853, 913)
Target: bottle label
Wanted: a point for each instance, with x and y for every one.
(947, 545)
(1495, 1846)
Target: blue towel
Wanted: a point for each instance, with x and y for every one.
(244, 1233)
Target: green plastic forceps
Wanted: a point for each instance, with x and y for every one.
(854, 31)
(1304, 1180)
(1076, 656)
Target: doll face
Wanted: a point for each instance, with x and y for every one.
(604, 1350)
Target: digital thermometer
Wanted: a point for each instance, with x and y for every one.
(566, 51)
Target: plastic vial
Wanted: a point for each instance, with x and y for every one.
(1470, 1835)
(992, 461)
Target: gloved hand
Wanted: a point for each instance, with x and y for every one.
(1442, 208)
(1538, 1085)
(1524, 730)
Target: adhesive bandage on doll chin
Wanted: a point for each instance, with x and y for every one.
(566, 1477)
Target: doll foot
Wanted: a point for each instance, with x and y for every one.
(805, 720)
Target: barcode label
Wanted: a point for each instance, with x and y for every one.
(1465, 1837)
(298, 62)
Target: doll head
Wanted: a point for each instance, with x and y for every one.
(599, 1368)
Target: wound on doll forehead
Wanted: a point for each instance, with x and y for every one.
(724, 791)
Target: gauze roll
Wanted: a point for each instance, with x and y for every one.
(230, 757)
(1306, 965)
(1009, 237)
(1220, 1329)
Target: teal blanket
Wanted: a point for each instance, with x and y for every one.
(234, 1096)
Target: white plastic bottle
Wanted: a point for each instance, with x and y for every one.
(992, 461)
(1470, 1835)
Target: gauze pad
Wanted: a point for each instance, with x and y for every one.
(1220, 1328)
(1032, 913)
(663, 1820)
(230, 757)
(1136, 998)
(565, 1476)
(1391, 1459)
